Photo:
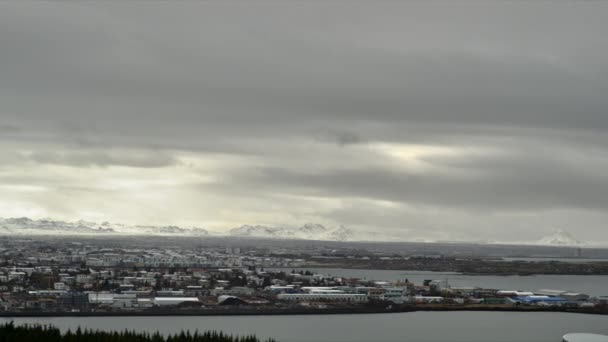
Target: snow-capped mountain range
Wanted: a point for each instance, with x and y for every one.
(27, 226)
(309, 231)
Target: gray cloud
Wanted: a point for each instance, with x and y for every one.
(272, 100)
(497, 183)
(7, 128)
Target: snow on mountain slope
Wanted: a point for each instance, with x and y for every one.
(560, 238)
(27, 226)
(24, 226)
(309, 231)
(341, 234)
(258, 231)
(312, 228)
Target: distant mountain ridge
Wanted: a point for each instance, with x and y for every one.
(309, 231)
(27, 226)
(24, 226)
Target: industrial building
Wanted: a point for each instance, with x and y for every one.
(167, 301)
(312, 297)
(539, 299)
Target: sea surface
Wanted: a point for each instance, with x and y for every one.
(593, 285)
(568, 260)
(398, 327)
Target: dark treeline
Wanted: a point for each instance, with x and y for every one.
(9, 332)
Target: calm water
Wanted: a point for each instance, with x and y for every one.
(569, 260)
(592, 285)
(402, 327)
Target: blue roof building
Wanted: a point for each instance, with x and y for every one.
(539, 299)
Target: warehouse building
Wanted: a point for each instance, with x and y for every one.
(168, 301)
(313, 297)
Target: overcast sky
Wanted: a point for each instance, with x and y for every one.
(467, 121)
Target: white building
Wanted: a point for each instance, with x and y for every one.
(316, 288)
(394, 294)
(513, 293)
(83, 278)
(280, 289)
(101, 298)
(144, 302)
(425, 299)
(550, 292)
(124, 300)
(16, 275)
(167, 301)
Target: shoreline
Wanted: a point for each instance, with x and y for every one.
(299, 311)
(466, 273)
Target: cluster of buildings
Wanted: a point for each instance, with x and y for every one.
(80, 277)
(95, 254)
(432, 292)
(60, 288)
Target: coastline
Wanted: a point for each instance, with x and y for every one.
(569, 270)
(410, 271)
(303, 311)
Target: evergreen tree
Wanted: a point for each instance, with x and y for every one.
(9, 332)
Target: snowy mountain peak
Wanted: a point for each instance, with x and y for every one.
(309, 231)
(560, 238)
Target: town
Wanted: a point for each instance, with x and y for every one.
(82, 278)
